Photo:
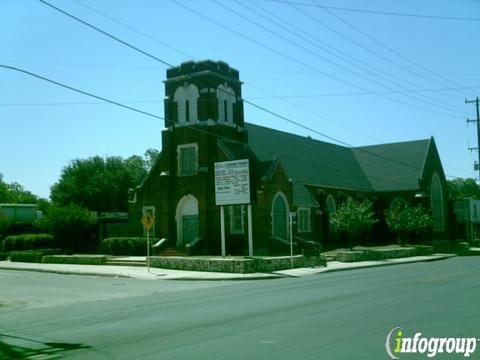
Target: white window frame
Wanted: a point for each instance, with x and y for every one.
(300, 225)
(145, 209)
(183, 95)
(225, 95)
(179, 158)
(234, 230)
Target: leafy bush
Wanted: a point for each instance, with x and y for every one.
(444, 246)
(353, 217)
(4, 255)
(72, 228)
(75, 259)
(406, 221)
(34, 256)
(8, 228)
(27, 242)
(126, 246)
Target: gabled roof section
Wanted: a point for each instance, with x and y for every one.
(235, 150)
(394, 167)
(308, 161)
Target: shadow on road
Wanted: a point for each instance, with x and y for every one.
(16, 347)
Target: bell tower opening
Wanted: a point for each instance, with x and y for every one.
(205, 93)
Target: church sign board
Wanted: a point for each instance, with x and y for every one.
(232, 182)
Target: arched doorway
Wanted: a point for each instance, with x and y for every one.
(187, 220)
(280, 217)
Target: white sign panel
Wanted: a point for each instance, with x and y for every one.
(232, 182)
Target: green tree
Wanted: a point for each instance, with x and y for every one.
(99, 184)
(15, 193)
(72, 228)
(461, 188)
(407, 221)
(150, 156)
(353, 217)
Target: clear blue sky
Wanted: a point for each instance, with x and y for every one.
(359, 76)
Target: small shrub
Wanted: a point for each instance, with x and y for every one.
(27, 242)
(75, 259)
(126, 246)
(353, 217)
(444, 246)
(4, 255)
(33, 256)
(406, 221)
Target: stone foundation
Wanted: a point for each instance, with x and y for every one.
(227, 264)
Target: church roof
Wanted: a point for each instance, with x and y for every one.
(393, 167)
(379, 168)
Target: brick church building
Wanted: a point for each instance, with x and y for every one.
(204, 124)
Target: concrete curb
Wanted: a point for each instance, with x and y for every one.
(390, 263)
(134, 273)
(299, 272)
(377, 263)
(65, 272)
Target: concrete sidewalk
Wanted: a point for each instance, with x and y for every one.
(167, 274)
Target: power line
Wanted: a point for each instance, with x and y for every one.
(249, 102)
(131, 28)
(102, 66)
(106, 34)
(377, 12)
(388, 48)
(197, 129)
(334, 51)
(342, 94)
(68, 103)
(81, 91)
(286, 101)
(300, 62)
(362, 46)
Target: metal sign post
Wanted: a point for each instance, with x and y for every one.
(222, 225)
(148, 250)
(292, 221)
(250, 231)
(147, 221)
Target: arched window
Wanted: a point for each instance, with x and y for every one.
(436, 202)
(331, 206)
(226, 99)
(280, 217)
(186, 98)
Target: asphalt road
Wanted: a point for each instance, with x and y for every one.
(343, 315)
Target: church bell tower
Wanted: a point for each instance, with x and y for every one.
(203, 93)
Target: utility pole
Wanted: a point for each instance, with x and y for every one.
(477, 165)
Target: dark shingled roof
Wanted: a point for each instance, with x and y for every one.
(311, 162)
(393, 167)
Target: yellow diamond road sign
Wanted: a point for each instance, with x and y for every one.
(147, 221)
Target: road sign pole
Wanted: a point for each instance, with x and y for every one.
(291, 239)
(148, 250)
(222, 225)
(148, 221)
(250, 231)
